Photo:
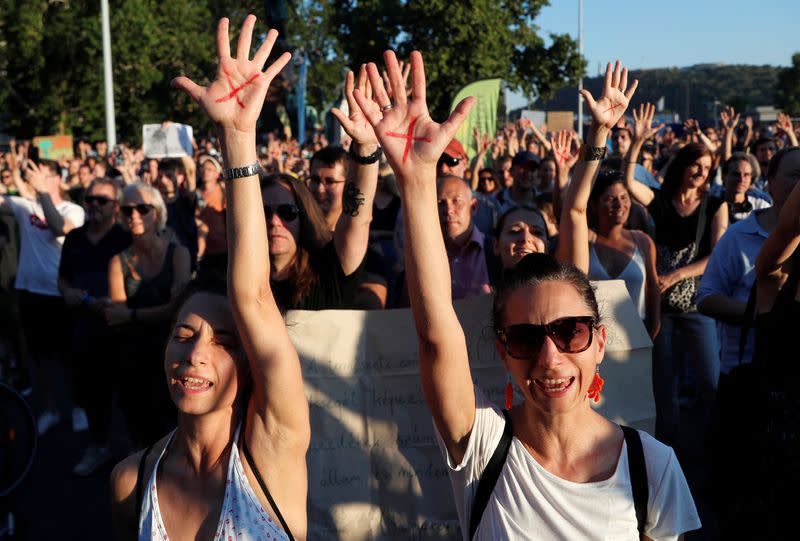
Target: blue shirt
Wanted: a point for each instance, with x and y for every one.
(731, 272)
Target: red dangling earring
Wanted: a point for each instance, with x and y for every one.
(509, 394)
(596, 386)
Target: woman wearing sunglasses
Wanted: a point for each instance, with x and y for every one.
(565, 475)
(143, 282)
(611, 252)
(235, 467)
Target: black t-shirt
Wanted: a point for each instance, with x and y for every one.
(675, 231)
(385, 219)
(180, 218)
(85, 265)
(333, 289)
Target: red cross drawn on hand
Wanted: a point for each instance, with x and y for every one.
(408, 136)
(235, 90)
(613, 107)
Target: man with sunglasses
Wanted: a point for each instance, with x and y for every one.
(83, 281)
(43, 223)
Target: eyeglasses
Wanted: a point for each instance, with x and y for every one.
(316, 180)
(98, 200)
(569, 334)
(487, 179)
(143, 209)
(286, 212)
(448, 160)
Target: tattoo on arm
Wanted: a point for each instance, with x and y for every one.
(352, 199)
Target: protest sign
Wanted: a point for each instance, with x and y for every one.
(560, 120)
(168, 140)
(537, 117)
(54, 147)
(375, 470)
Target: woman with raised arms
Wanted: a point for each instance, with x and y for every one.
(235, 467)
(565, 475)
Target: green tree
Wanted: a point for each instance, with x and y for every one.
(787, 92)
(462, 42)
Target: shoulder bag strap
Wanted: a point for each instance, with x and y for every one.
(490, 476)
(638, 474)
(139, 481)
(263, 485)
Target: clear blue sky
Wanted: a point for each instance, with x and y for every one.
(645, 34)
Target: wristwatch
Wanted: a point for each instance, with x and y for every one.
(365, 160)
(231, 173)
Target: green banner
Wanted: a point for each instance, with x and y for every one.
(483, 114)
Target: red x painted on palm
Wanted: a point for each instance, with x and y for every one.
(562, 157)
(235, 90)
(613, 107)
(409, 137)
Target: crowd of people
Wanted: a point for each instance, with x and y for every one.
(111, 258)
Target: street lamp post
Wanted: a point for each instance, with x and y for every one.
(580, 82)
(108, 82)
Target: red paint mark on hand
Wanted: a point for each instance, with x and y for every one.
(234, 94)
(562, 157)
(409, 137)
(613, 107)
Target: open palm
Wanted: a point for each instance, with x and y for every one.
(607, 110)
(235, 98)
(409, 137)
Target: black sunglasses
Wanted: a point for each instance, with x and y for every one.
(448, 160)
(97, 199)
(569, 334)
(286, 212)
(142, 208)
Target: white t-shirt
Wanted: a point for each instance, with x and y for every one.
(40, 250)
(529, 502)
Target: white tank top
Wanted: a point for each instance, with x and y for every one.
(633, 274)
(242, 517)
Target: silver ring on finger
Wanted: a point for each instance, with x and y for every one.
(387, 107)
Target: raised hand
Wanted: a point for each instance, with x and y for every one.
(730, 118)
(411, 140)
(566, 149)
(692, 126)
(405, 68)
(643, 120)
(235, 98)
(356, 124)
(612, 104)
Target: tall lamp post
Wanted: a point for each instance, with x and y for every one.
(108, 82)
(580, 82)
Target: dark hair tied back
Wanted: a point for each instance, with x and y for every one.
(537, 268)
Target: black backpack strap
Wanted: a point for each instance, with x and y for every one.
(490, 476)
(747, 320)
(139, 480)
(638, 474)
(262, 484)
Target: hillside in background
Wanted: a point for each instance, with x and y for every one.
(690, 91)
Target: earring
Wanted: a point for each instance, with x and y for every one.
(509, 394)
(596, 386)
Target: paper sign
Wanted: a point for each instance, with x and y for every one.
(54, 147)
(560, 120)
(375, 470)
(537, 117)
(169, 140)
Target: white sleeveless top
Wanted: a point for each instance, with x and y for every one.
(242, 517)
(634, 275)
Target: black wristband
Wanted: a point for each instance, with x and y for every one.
(365, 160)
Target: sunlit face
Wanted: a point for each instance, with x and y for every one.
(210, 173)
(554, 383)
(614, 205)
(139, 221)
(523, 233)
(204, 362)
(456, 206)
(283, 235)
(696, 174)
(739, 177)
(327, 185)
(506, 178)
(85, 175)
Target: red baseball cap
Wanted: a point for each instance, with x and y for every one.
(455, 150)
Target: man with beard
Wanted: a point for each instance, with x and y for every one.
(83, 282)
